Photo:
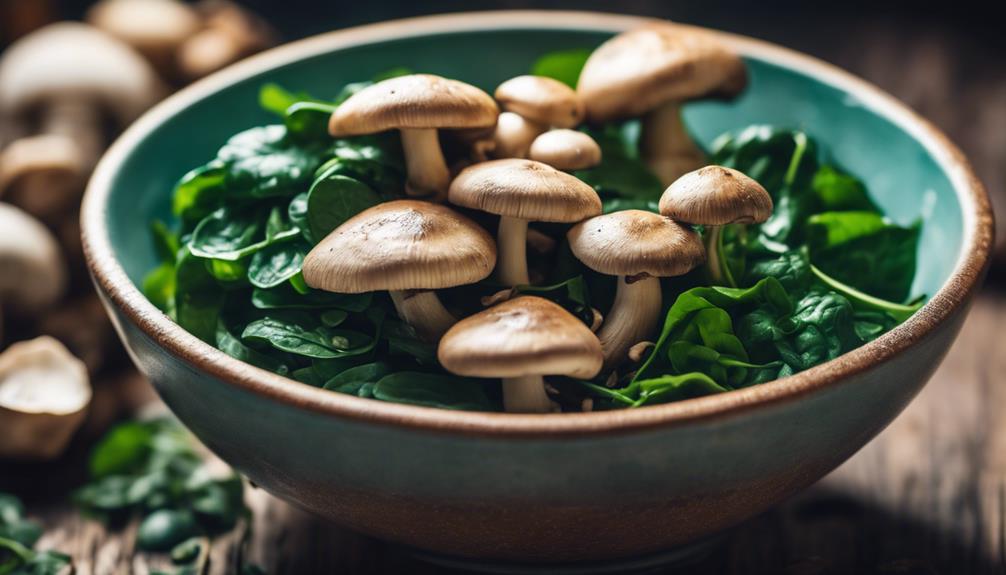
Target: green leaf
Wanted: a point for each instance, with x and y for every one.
(285, 297)
(123, 450)
(308, 120)
(277, 99)
(433, 390)
(200, 191)
(234, 347)
(164, 529)
(263, 162)
(333, 199)
(359, 380)
(309, 340)
(838, 191)
(621, 204)
(276, 263)
(564, 65)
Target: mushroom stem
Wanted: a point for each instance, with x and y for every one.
(428, 173)
(632, 318)
(667, 146)
(525, 394)
(423, 311)
(512, 248)
(717, 269)
(80, 121)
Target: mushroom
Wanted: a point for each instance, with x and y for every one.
(409, 248)
(521, 340)
(230, 33)
(566, 150)
(539, 103)
(33, 273)
(417, 105)
(44, 394)
(713, 197)
(639, 247)
(650, 72)
(49, 162)
(69, 74)
(155, 28)
(520, 191)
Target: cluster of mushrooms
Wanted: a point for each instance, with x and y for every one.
(66, 89)
(412, 247)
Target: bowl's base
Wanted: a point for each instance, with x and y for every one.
(636, 565)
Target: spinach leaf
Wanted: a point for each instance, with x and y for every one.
(866, 251)
(14, 526)
(306, 339)
(433, 390)
(838, 191)
(563, 65)
(198, 297)
(662, 389)
(708, 345)
(264, 162)
(359, 380)
(234, 347)
(333, 199)
(620, 204)
(285, 297)
(308, 120)
(403, 341)
(199, 192)
(165, 528)
(276, 263)
(231, 234)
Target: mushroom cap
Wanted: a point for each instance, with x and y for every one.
(413, 101)
(513, 135)
(401, 245)
(53, 160)
(637, 71)
(543, 100)
(566, 150)
(68, 59)
(527, 335)
(44, 394)
(149, 25)
(633, 242)
(524, 189)
(33, 272)
(716, 196)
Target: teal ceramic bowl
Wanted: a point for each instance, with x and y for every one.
(532, 489)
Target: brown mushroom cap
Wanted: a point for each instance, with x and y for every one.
(150, 26)
(543, 100)
(524, 336)
(414, 101)
(401, 245)
(565, 150)
(637, 71)
(524, 189)
(633, 242)
(716, 196)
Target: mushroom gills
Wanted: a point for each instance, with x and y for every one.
(667, 146)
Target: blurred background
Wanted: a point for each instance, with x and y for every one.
(947, 61)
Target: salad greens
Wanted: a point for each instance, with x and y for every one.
(825, 274)
(18, 536)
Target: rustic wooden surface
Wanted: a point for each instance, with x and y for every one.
(927, 496)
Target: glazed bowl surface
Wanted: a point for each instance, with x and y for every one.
(570, 488)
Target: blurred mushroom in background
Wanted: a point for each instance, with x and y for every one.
(64, 86)
(230, 33)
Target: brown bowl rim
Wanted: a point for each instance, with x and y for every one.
(958, 290)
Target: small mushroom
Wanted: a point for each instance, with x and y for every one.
(651, 71)
(640, 247)
(154, 28)
(520, 191)
(68, 75)
(713, 197)
(33, 273)
(409, 248)
(417, 105)
(44, 394)
(50, 162)
(521, 340)
(230, 33)
(566, 150)
(538, 103)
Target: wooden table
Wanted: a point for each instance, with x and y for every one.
(927, 496)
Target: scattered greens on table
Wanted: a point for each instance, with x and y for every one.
(824, 275)
(18, 536)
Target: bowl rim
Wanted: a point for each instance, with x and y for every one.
(115, 287)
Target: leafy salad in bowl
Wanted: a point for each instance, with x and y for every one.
(408, 241)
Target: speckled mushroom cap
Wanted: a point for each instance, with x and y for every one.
(565, 150)
(543, 100)
(716, 196)
(524, 336)
(637, 71)
(524, 189)
(633, 242)
(401, 245)
(413, 101)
